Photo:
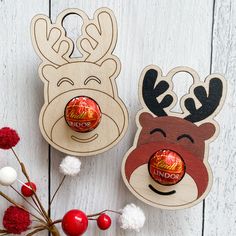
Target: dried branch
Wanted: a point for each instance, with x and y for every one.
(58, 188)
(26, 200)
(36, 231)
(99, 213)
(24, 171)
(18, 205)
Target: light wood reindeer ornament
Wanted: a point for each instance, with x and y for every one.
(92, 75)
(188, 134)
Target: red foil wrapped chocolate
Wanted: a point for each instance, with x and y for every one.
(166, 167)
(82, 114)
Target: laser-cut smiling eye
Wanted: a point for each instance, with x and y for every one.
(92, 78)
(185, 136)
(64, 80)
(158, 130)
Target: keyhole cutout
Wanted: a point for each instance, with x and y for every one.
(182, 82)
(73, 25)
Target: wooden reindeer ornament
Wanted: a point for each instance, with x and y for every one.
(164, 136)
(92, 75)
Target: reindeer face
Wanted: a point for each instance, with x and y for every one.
(79, 79)
(92, 76)
(175, 130)
(176, 133)
(81, 76)
(181, 136)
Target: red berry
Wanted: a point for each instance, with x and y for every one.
(26, 191)
(74, 223)
(104, 221)
(8, 138)
(16, 220)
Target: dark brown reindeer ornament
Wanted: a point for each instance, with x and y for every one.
(185, 135)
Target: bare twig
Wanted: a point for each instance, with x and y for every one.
(16, 204)
(56, 222)
(26, 200)
(36, 204)
(3, 232)
(23, 169)
(59, 221)
(99, 213)
(17, 158)
(58, 188)
(36, 231)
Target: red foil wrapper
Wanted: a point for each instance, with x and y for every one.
(82, 114)
(166, 167)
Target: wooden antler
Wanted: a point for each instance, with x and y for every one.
(99, 37)
(50, 41)
(210, 101)
(150, 92)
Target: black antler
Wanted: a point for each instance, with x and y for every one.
(150, 93)
(209, 102)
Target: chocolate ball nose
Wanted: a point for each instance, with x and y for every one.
(166, 167)
(82, 114)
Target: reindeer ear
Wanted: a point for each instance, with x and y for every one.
(145, 118)
(206, 130)
(109, 67)
(49, 72)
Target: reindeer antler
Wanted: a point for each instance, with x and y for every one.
(99, 38)
(157, 94)
(210, 100)
(50, 41)
(150, 92)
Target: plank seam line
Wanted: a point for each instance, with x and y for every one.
(211, 59)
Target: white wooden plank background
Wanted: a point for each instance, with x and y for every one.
(196, 33)
(21, 93)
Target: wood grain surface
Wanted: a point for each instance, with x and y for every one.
(21, 94)
(92, 75)
(195, 33)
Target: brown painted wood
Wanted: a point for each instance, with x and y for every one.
(197, 180)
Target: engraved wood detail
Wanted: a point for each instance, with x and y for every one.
(92, 75)
(188, 133)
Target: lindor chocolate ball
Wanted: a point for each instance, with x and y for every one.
(166, 167)
(82, 114)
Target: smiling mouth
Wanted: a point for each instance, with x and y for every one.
(159, 192)
(84, 140)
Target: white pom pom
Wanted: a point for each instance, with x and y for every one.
(70, 166)
(8, 176)
(132, 218)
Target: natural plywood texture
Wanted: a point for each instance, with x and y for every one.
(165, 33)
(92, 75)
